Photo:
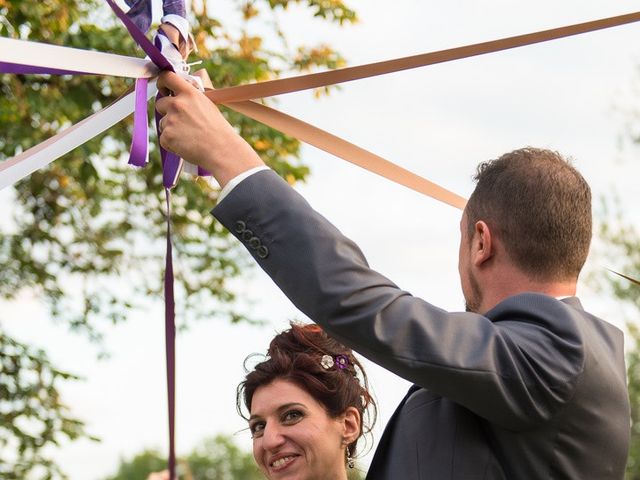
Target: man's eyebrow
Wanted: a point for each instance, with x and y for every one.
(280, 409)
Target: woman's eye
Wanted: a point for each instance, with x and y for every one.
(292, 416)
(256, 429)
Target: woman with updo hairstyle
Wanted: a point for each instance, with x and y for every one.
(308, 403)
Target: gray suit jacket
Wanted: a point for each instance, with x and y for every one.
(534, 389)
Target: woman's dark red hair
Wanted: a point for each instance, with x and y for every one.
(295, 355)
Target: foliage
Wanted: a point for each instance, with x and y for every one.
(32, 416)
(622, 240)
(216, 458)
(623, 254)
(141, 465)
(220, 459)
(89, 219)
(633, 377)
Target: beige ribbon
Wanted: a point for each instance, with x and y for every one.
(632, 280)
(337, 146)
(346, 150)
(238, 98)
(333, 77)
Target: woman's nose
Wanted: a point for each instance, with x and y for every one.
(272, 437)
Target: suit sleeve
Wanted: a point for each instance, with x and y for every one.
(515, 367)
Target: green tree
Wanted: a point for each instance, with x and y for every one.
(32, 415)
(217, 458)
(633, 377)
(220, 458)
(88, 220)
(141, 465)
(623, 254)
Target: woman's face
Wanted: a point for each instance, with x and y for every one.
(294, 437)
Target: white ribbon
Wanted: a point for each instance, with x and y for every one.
(67, 58)
(46, 152)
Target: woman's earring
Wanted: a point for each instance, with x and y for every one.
(350, 462)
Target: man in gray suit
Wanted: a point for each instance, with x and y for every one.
(523, 385)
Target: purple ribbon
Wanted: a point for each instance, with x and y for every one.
(139, 153)
(140, 11)
(171, 163)
(24, 69)
(170, 340)
(203, 172)
(155, 55)
(138, 157)
(141, 19)
(175, 7)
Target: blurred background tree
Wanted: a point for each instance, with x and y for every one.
(633, 377)
(88, 220)
(217, 458)
(32, 414)
(622, 253)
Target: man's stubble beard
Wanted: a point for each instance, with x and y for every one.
(473, 303)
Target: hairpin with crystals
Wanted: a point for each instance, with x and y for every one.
(339, 361)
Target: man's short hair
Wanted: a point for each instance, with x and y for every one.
(539, 206)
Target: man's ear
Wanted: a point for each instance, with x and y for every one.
(482, 247)
(351, 425)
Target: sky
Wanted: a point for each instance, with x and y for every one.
(440, 121)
